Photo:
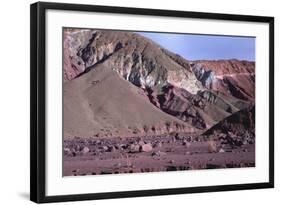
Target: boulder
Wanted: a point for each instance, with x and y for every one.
(105, 148)
(157, 145)
(146, 147)
(85, 150)
(66, 151)
(134, 148)
(221, 150)
(158, 154)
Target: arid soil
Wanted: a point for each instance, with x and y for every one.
(130, 106)
(155, 153)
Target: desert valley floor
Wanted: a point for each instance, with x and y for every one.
(155, 153)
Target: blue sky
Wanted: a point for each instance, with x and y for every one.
(206, 47)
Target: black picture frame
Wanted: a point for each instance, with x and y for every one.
(38, 101)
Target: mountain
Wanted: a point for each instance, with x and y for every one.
(202, 110)
(238, 123)
(101, 103)
(231, 77)
(136, 58)
(74, 40)
(122, 81)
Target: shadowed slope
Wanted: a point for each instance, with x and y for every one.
(239, 122)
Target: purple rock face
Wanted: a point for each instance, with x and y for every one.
(74, 40)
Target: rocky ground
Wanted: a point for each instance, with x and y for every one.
(157, 153)
(120, 83)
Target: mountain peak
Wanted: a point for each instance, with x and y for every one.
(136, 58)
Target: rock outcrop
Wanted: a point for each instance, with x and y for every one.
(136, 58)
(231, 77)
(202, 110)
(74, 41)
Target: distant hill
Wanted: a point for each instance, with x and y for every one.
(238, 123)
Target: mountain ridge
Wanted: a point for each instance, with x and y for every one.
(190, 92)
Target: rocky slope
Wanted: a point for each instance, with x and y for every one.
(238, 123)
(237, 130)
(137, 59)
(202, 110)
(231, 77)
(74, 40)
(111, 76)
(100, 103)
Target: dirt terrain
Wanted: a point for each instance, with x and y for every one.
(155, 153)
(130, 105)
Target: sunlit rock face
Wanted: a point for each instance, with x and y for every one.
(135, 58)
(231, 77)
(205, 76)
(74, 41)
(146, 64)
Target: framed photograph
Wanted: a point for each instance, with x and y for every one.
(129, 102)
